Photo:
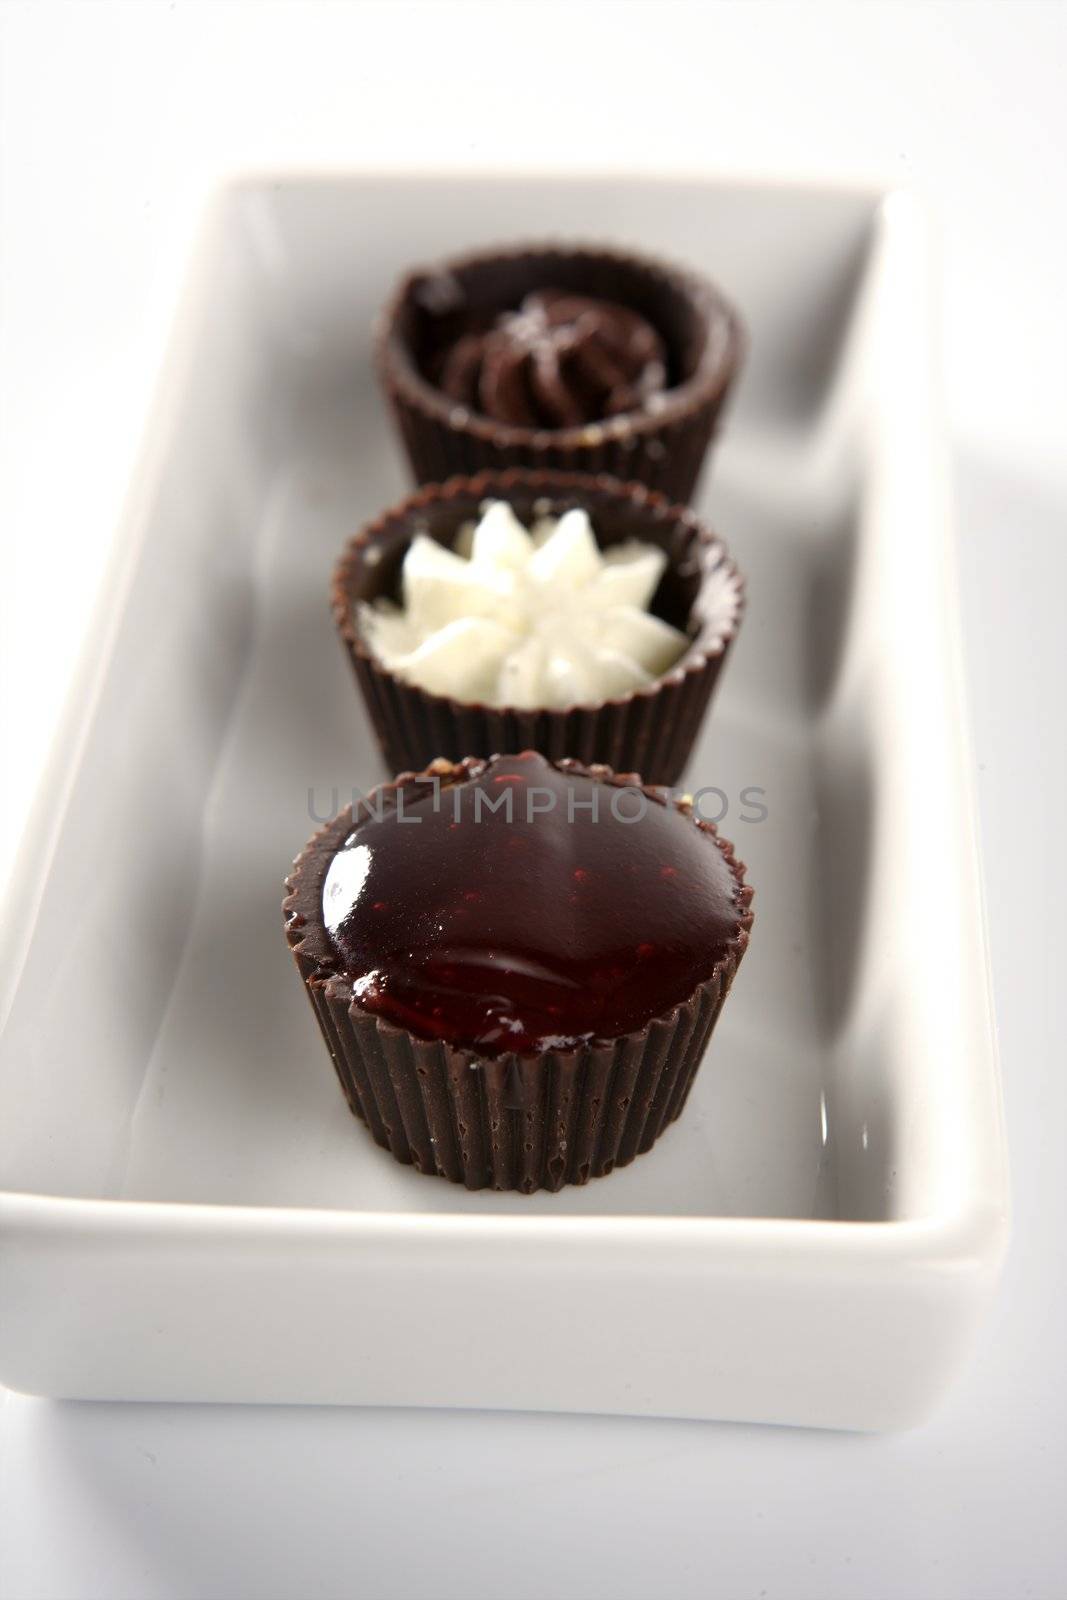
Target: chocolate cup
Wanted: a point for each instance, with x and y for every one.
(524, 1121)
(650, 730)
(662, 445)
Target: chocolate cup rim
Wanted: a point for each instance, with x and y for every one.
(309, 941)
(541, 481)
(708, 384)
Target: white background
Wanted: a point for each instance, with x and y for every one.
(114, 119)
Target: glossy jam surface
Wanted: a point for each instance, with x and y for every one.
(499, 913)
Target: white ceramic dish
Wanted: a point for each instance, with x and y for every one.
(190, 1211)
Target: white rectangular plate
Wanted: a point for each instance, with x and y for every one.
(190, 1210)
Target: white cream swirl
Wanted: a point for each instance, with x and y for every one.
(538, 618)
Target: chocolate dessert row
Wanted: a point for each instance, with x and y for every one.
(516, 950)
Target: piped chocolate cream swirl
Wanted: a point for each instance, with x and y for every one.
(560, 361)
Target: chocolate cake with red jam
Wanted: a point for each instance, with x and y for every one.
(579, 358)
(517, 965)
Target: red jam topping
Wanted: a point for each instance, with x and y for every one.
(527, 908)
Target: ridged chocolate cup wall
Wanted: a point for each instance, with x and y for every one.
(525, 1122)
(662, 446)
(650, 730)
